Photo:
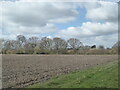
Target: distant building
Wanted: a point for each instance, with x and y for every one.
(94, 46)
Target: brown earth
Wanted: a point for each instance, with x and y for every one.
(19, 71)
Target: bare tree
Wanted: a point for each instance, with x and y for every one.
(74, 43)
(46, 43)
(29, 48)
(51, 46)
(59, 43)
(14, 44)
(7, 44)
(32, 41)
(21, 39)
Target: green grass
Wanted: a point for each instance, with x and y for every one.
(105, 76)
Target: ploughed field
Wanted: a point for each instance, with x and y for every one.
(19, 71)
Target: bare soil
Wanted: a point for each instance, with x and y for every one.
(19, 71)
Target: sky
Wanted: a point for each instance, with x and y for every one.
(90, 22)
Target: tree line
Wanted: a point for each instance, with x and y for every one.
(35, 45)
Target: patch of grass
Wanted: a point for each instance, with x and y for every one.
(105, 76)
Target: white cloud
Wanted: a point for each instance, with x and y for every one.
(58, 0)
(101, 10)
(107, 11)
(32, 17)
(62, 20)
(37, 14)
(10, 36)
(49, 28)
(90, 29)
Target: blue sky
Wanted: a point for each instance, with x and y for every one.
(90, 22)
(80, 18)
